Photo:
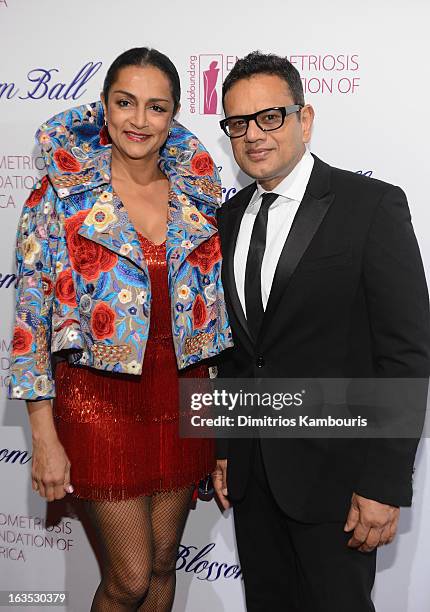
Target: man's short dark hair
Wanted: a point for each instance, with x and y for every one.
(266, 63)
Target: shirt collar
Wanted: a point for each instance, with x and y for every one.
(294, 185)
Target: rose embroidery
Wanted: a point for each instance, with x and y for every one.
(103, 321)
(66, 162)
(206, 255)
(87, 257)
(37, 194)
(65, 288)
(202, 164)
(47, 285)
(22, 341)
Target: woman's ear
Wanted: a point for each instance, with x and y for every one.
(103, 101)
(177, 111)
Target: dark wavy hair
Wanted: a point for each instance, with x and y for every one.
(144, 56)
(266, 63)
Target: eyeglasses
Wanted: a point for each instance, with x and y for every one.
(267, 120)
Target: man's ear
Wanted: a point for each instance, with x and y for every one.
(307, 115)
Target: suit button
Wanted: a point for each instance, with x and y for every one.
(259, 361)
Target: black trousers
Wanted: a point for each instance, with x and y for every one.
(290, 566)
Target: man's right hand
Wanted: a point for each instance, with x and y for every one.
(219, 478)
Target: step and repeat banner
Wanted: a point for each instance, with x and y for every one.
(364, 68)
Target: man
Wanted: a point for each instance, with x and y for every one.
(323, 278)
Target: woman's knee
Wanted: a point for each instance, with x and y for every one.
(165, 557)
(128, 585)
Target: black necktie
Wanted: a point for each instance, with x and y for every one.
(253, 299)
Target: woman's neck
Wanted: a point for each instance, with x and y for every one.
(141, 172)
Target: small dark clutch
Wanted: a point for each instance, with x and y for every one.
(206, 488)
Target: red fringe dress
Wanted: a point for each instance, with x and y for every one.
(121, 432)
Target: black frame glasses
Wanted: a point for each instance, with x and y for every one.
(285, 111)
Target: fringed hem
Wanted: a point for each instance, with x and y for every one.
(93, 493)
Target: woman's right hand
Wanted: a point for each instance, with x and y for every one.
(50, 469)
(50, 472)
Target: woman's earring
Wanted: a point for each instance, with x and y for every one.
(104, 134)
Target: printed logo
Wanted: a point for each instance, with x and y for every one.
(43, 83)
(206, 74)
(329, 74)
(193, 560)
(9, 281)
(14, 455)
(5, 348)
(21, 535)
(18, 172)
(210, 78)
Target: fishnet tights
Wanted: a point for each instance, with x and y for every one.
(140, 540)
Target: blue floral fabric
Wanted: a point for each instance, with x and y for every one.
(84, 288)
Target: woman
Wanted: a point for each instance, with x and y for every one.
(119, 264)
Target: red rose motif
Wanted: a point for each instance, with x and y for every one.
(202, 164)
(103, 321)
(206, 255)
(22, 341)
(107, 259)
(66, 162)
(47, 285)
(65, 288)
(87, 257)
(37, 194)
(200, 313)
(104, 138)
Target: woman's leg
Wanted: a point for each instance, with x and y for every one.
(125, 533)
(169, 511)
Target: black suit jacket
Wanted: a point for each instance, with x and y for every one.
(349, 299)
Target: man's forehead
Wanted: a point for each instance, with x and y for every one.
(256, 93)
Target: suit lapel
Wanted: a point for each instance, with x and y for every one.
(229, 229)
(311, 212)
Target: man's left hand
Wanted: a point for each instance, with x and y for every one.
(374, 524)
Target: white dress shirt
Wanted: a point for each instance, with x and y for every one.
(281, 216)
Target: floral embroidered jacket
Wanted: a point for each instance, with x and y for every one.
(84, 289)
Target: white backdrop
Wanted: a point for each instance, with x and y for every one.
(364, 67)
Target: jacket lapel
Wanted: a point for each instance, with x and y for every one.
(187, 227)
(230, 229)
(311, 212)
(108, 224)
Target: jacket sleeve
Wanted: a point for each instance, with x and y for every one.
(36, 243)
(398, 307)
